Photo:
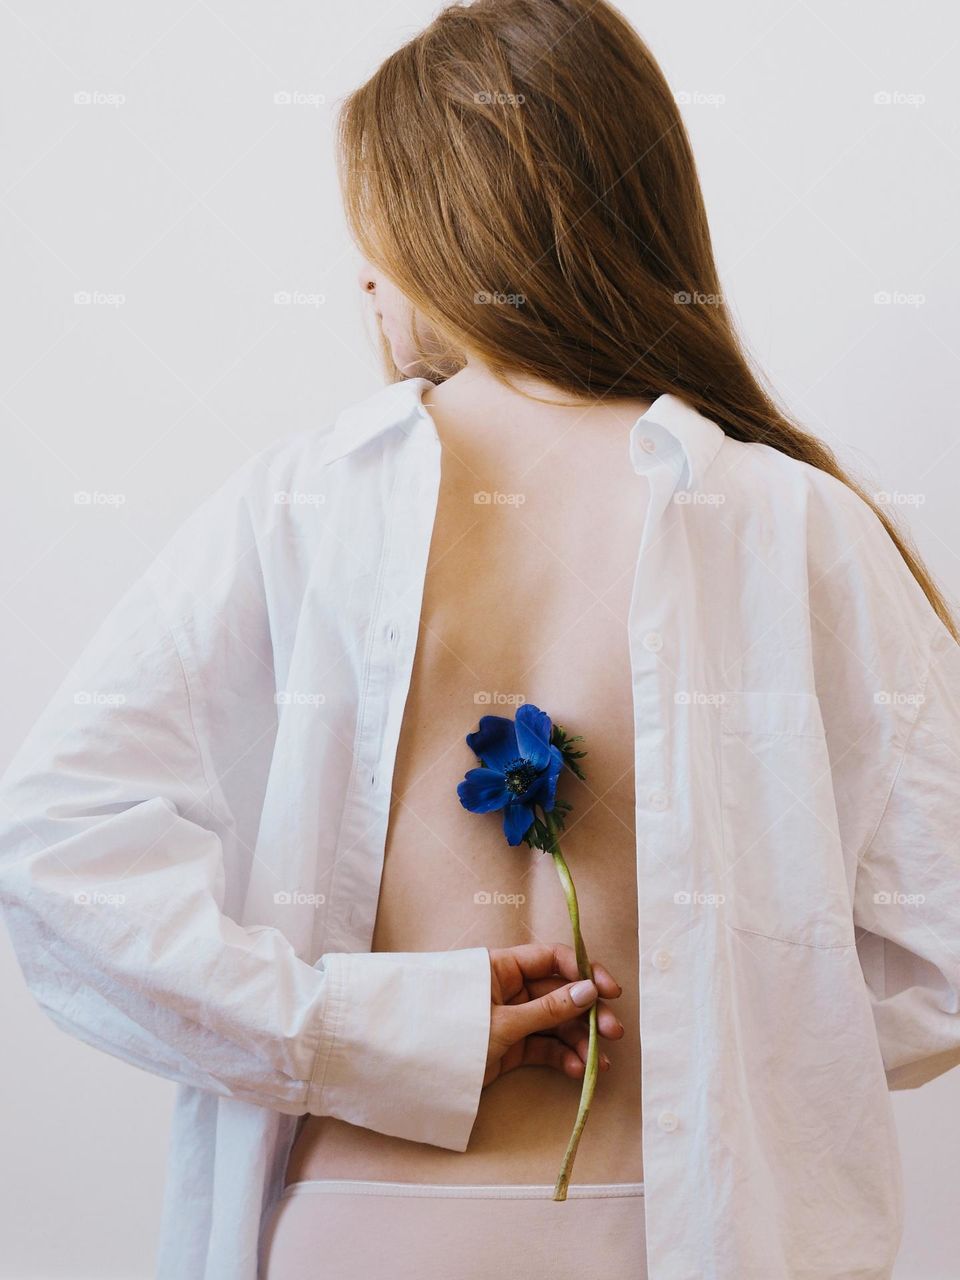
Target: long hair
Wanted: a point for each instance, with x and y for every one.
(521, 171)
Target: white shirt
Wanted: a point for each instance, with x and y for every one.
(193, 836)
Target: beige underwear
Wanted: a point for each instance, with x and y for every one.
(333, 1229)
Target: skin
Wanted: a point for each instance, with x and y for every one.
(395, 314)
(561, 565)
(530, 995)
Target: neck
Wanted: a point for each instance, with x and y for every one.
(532, 401)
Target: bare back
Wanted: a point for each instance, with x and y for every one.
(526, 598)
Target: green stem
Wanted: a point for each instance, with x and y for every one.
(585, 970)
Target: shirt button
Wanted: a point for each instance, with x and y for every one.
(646, 444)
(653, 641)
(667, 1121)
(659, 800)
(662, 959)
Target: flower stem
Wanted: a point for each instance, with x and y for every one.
(585, 970)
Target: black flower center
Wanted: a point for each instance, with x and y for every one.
(520, 775)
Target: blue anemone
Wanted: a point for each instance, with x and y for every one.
(519, 769)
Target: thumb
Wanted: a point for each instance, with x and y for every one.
(552, 1009)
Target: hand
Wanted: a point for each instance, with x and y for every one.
(534, 1021)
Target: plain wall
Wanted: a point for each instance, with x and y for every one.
(198, 197)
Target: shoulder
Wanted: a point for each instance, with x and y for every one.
(287, 479)
(261, 522)
(758, 476)
(858, 587)
(834, 518)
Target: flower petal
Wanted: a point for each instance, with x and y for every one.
(533, 728)
(483, 790)
(517, 820)
(544, 790)
(495, 742)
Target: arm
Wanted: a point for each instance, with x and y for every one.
(112, 878)
(907, 897)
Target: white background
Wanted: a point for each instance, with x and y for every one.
(198, 198)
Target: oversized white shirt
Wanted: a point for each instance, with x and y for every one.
(192, 839)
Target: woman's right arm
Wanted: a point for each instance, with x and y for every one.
(113, 890)
(112, 895)
(112, 879)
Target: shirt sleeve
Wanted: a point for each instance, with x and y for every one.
(380, 1065)
(113, 885)
(907, 897)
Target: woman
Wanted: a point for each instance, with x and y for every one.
(246, 868)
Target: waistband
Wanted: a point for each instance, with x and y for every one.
(492, 1191)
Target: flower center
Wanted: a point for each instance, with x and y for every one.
(520, 775)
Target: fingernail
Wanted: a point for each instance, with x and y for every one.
(583, 993)
(604, 1059)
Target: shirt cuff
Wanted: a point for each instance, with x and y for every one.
(403, 1042)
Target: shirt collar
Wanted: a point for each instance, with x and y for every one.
(398, 404)
(671, 433)
(675, 435)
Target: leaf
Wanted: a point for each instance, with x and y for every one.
(538, 835)
(562, 741)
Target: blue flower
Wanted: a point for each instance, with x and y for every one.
(519, 769)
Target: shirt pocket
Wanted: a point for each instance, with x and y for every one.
(783, 866)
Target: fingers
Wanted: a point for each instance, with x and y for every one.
(565, 1050)
(565, 963)
(548, 1011)
(568, 1059)
(608, 1024)
(575, 1035)
(606, 983)
(537, 960)
(548, 1051)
